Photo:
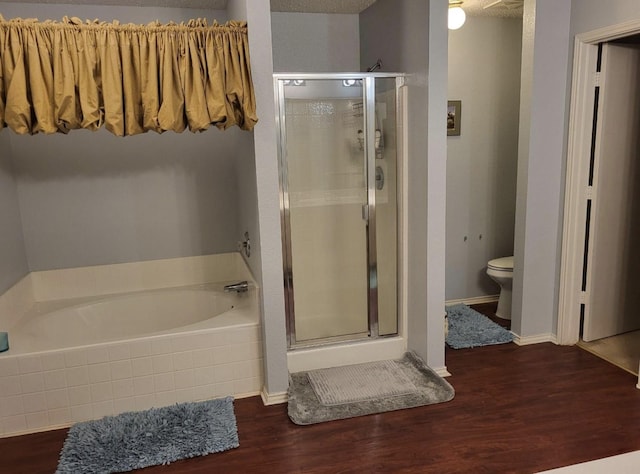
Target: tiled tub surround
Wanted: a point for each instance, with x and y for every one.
(56, 386)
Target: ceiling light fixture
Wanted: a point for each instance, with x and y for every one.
(457, 16)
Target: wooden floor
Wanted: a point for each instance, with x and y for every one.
(516, 409)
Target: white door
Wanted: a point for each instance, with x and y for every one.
(613, 259)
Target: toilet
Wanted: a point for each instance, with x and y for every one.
(501, 271)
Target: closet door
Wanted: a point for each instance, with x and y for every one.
(613, 289)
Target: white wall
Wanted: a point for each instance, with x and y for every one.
(411, 37)
(13, 260)
(315, 42)
(484, 73)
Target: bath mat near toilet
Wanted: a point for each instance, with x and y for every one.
(468, 328)
(135, 440)
(364, 389)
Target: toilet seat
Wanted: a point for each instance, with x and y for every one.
(504, 264)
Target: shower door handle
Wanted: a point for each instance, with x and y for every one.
(365, 212)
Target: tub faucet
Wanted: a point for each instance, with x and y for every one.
(239, 287)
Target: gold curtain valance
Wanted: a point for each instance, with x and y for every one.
(60, 76)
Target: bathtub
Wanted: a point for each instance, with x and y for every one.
(88, 321)
(97, 351)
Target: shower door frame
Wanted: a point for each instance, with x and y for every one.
(369, 208)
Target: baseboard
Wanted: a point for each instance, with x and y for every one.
(442, 371)
(38, 430)
(537, 339)
(273, 398)
(474, 300)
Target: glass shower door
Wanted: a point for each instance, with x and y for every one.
(386, 199)
(324, 181)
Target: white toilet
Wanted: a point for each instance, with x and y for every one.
(501, 271)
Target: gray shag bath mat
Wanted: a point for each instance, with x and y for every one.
(360, 382)
(363, 389)
(468, 328)
(135, 440)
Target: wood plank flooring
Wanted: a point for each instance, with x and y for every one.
(517, 409)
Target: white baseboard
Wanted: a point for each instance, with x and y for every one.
(273, 398)
(474, 300)
(537, 339)
(37, 430)
(442, 372)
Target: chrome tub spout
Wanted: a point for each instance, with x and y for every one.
(239, 287)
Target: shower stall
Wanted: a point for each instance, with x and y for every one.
(340, 168)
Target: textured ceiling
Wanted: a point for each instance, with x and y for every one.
(204, 4)
(495, 8)
(307, 6)
(500, 8)
(320, 6)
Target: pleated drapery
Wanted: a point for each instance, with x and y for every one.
(60, 76)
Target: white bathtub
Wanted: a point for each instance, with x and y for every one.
(88, 321)
(97, 341)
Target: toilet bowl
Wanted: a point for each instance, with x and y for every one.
(501, 271)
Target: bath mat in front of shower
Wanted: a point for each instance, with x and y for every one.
(359, 382)
(135, 440)
(305, 406)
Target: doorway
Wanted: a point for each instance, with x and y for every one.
(598, 294)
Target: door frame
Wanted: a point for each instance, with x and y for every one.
(571, 296)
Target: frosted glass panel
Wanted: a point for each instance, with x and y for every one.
(326, 192)
(386, 205)
(339, 206)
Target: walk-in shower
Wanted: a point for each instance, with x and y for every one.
(339, 149)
